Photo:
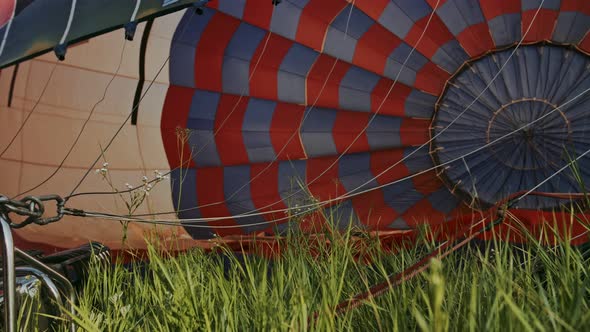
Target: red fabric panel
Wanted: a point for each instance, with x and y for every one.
(495, 8)
(423, 213)
(435, 36)
(326, 186)
(543, 225)
(431, 78)
(382, 160)
(373, 8)
(265, 65)
(476, 39)
(323, 82)
(433, 3)
(264, 190)
(210, 192)
(576, 5)
(372, 210)
(374, 47)
(175, 112)
(414, 131)
(395, 102)
(585, 43)
(542, 27)
(6, 8)
(427, 183)
(314, 21)
(258, 13)
(228, 128)
(210, 50)
(347, 126)
(284, 131)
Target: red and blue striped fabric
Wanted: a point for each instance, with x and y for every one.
(277, 107)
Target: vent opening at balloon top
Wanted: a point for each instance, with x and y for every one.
(515, 134)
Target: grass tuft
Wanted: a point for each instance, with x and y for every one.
(493, 286)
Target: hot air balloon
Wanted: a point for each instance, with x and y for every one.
(386, 114)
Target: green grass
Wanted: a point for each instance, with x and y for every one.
(498, 288)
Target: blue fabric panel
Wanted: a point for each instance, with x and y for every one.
(203, 109)
(571, 27)
(345, 30)
(398, 223)
(442, 200)
(451, 16)
(470, 11)
(256, 130)
(383, 132)
(505, 29)
(236, 62)
(355, 89)
(235, 74)
(292, 176)
(285, 20)
(352, 22)
(450, 56)
(415, 9)
(201, 120)
(475, 85)
(396, 20)
(523, 60)
(565, 78)
(401, 196)
(338, 45)
(418, 161)
(419, 104)
(298, 3)
(415, 61)
(184, 196)
(534, 4)
(575, 110)
(236, 188)
(343, 215)
(293, 73)
(354, 170)
(234, 8)
(244, 42)
(203, 148)
(395, 70)
(185, 41)
(316, 132)
(184, 191)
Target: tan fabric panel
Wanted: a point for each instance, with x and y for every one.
(75, 86)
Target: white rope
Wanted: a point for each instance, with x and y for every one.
(253, 213)
(135, 11)
(323, 203)
(69, 24)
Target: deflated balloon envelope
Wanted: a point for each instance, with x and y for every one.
(261, 108)
(322, 98)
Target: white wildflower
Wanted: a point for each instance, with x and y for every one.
(124, 310)
(115, 297)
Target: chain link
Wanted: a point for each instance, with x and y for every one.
(31, 207)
